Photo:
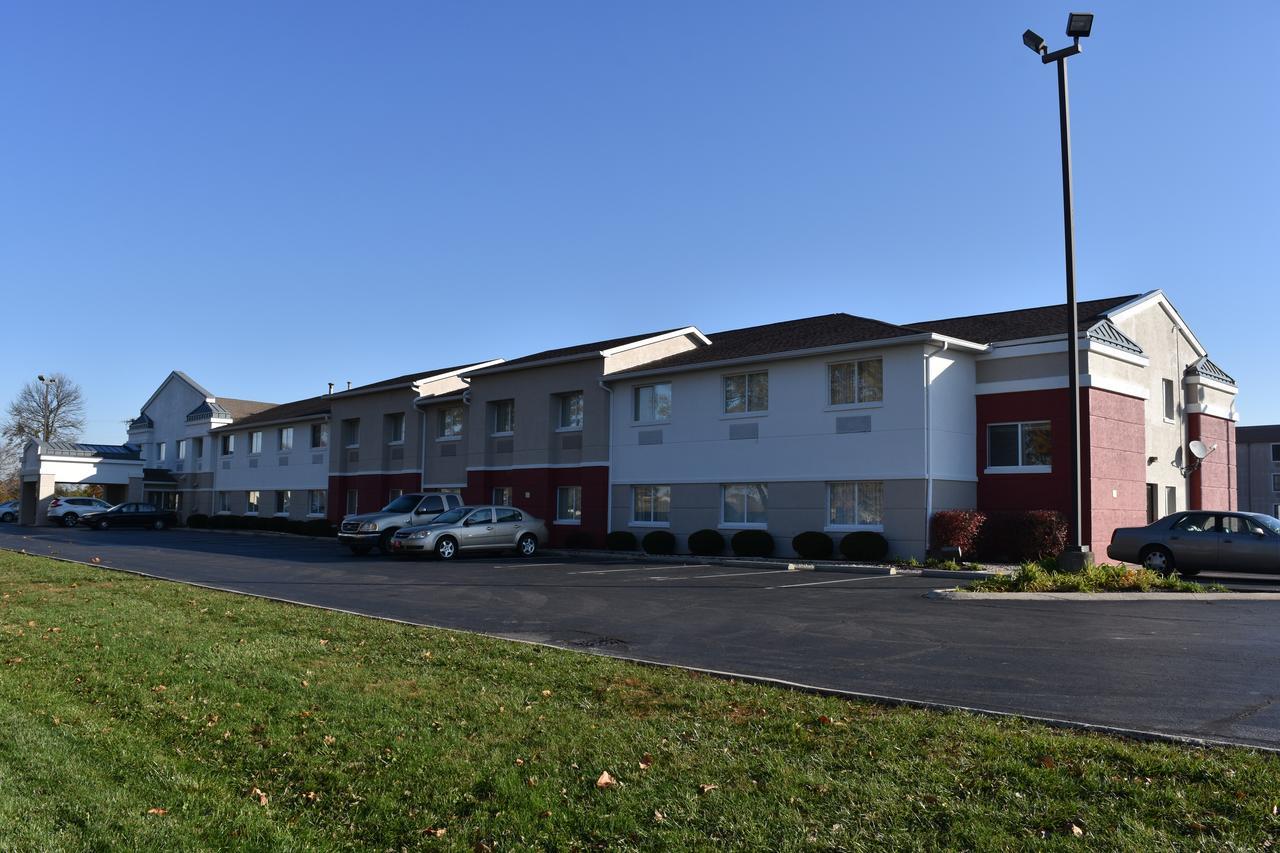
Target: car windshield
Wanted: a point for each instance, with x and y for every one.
(1272, 524)
(453, 516)
(404, 503)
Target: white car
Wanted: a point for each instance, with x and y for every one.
(67, 511)
(9, 511)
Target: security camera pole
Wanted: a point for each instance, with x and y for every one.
(1079, 25)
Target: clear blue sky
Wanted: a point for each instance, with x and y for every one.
(271, 196)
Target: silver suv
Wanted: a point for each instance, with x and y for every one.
(362, 533)
(67, 511)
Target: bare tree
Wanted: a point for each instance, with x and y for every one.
(51, 409)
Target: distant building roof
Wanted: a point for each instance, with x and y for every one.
(1262, 433)
(297, 410)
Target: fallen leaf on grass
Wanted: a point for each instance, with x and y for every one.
(1047, 762)
(546, 813)
(606, 781)
(436, 831)
(646, 761)
(824, 720)
(1077, 831)
(157, 811)
(259, 795)
(95, 559)
(159, 688)
(706, 789)
(658, 817)
(330, 740)
(546, 693)
(311, 796)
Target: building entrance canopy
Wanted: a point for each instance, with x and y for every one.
(47, 463)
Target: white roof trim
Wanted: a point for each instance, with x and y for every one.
(687, 330)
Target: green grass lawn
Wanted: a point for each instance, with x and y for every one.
(146, 714)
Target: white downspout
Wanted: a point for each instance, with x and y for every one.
(928, 446)
(608, 507)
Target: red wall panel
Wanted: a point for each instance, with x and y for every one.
(1213, 484)
(374, 489)
(534, 490)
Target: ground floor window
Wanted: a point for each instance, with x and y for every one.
(224, 502)
(1275, 482)
(165, 500)
(1170, 500)
(1022, 445)
(284, 500)
(651, 504)
(393, 494)
(251, 502)
(353, 501)
(569, 504)
(744, 504)
(318, 501)
(502, 495)
(855, 503)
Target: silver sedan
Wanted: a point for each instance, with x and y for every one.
(473, 528)
(1188, 542)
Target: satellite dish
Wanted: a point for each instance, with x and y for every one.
(1198, 449)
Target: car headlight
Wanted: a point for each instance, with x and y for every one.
(420, 534)
(369, 527)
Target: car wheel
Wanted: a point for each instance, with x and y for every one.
(447, 548)
(528, 545)
(1157, 559)
(360, 550)
(159, 524)
(384, 541)
(103, 525)
(7, 517)
(70, 519)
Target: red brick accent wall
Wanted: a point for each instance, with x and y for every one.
(540, 485)
(375, 490)
(1004, 492)
(1213, 484)
(1114, 457)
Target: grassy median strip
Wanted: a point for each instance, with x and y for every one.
(153, 715)
(1101, 578)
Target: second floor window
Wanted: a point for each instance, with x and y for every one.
(351, 432)
(285, 436)
(160, 451)
(255, 442)
(449, 422)
(228, 445)
(746, 392)
(652, 403)
(856, 382)
(571, 410)
(319, 435)
(395, 428)
(182, 449)
(1024, 445)
(503, 417)
(1170, 405)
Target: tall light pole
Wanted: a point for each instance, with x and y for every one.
(1079, 25)
(48, 424)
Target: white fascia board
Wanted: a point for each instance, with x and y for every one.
(656, 339)
(884, 343)
(435, 377)
(93, 460)
(1159, 297)
(1209, 382)
(1227, 414)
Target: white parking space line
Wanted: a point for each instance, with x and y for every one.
(729, 575)
(637, 569)
(526, 565)
(837, 580)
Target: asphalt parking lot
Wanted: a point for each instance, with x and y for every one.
(1190, 669)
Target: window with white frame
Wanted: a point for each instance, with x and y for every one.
(502, 417)
(318, 501)
(251, 502)
(284, 500)
(744, 504)
(1170, 405)
(449, 422)
(570, 406)
(319, 436)
(228, 445)
(197, 448)
(224, 502)
(284, 439)
(652, 403)
(351, 432)
(1027, 445)
(1170, 500)
(746, 393)
(502, 495)
(850, 382)
(569, 505)
(255, 441)
(182, 449)
(394, 427)
(651, 505)
(855, 504)
(353, 501)
(160, 451)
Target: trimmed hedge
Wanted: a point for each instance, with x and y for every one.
(752, 543)
(197, 521)
(864, 545)
(813, 545)
(579, 539)
(659, 542)
(621, 540)
(706, 543)
(956, 528)
(1022, 536)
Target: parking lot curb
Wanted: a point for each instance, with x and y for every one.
(962, 595)
(736, 562)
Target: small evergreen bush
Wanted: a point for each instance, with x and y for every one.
(864, 546)
(752, 543)
(621, 540)
(706, 543)
(659, 542)
(813, 545)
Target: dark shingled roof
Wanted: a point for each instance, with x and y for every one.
(1022, 323)
(584, 350)
(238, 409)
(406, 379)
(1262, 434)
(296, 410)
(787, 336)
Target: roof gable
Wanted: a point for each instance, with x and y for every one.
(1206, 369)
(1105, 332)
